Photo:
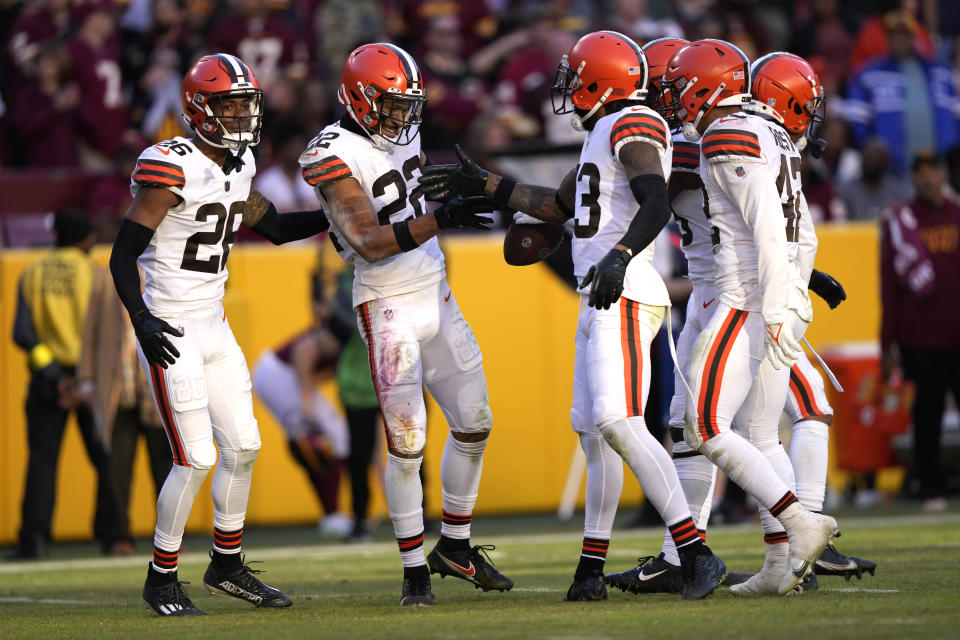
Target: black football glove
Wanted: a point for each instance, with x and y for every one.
(607, 278)
(825, 286)
(461, 213)
(157, 348)
(442, 181)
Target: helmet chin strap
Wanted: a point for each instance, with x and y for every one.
(234, 161)
(578, 121)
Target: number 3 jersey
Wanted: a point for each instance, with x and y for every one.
(605, 205)
(751, 174)
(388, 177)
(185, 262)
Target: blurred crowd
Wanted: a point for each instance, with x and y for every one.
(89, 83)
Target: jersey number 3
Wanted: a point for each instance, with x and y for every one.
(223, 235)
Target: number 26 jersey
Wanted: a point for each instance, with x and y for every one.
(185, 264)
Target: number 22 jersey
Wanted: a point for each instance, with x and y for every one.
(388, 177)
(185, 264)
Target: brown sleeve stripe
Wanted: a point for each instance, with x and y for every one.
(326, 171)
(686, 156)
(731, 142)
(641, 125)
(154, 171)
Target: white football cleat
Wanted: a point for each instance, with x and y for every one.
(809, 534)
(767, 582)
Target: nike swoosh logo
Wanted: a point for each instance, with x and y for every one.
(643, 577)
(447, 297)
(469, 572)
(708, 303)
(165, 152)
(315, 152)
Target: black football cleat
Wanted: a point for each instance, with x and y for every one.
(810, 583)
(589, 589)
(651, 575)
(416, 589)
(241, 583)
(469, 565)
(833, 563)
(702, 574)
(164, 593)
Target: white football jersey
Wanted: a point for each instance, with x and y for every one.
(696, 232)
(605, 205)
(186, 261)
(751, 174)
(389, 179)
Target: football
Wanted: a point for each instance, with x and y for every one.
(530, 243)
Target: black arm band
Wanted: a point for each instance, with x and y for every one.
(567, 211)
(404, 237)
(501, 197)
(288, 227)
(650, 190)
(132, 240)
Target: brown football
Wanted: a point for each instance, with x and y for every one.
(530, 243)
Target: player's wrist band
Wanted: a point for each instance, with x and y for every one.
(404, 238)
(501, 196)
(39, 357)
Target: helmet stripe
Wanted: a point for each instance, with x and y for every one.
(761, 62)
(409, 65)
(237, 68)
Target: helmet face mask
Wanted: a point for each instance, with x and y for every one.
(222, 101)
(601, 67)
(382, 91)
(658, 53)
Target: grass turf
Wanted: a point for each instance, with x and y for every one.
(342, 591)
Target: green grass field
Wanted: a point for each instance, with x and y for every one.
(343, 591)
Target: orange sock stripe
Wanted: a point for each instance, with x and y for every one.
(776, 537)
(788, 499)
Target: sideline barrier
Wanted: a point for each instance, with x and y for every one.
(524, 319)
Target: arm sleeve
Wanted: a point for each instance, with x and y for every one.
(807, 239)
(751, 187)
(651, 192)
(24, 333)
(288, 227)
(132, 239)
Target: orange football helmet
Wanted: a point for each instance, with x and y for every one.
(382, 89)
(702, 75)
(602, 66)
(658, 53)
(787, 87)
(211, 79)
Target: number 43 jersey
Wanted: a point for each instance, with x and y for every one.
(185, 264)
(605, 205)
(388, 177)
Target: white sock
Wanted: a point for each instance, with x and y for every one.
(809, 450)
(651, 465)
(744, 464)
(173, 506)
(697, 476)
(460, 470)
(604, 485)
(405, 500)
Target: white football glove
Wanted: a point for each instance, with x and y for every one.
(782, 348)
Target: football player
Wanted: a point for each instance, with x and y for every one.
(365, 170)
(624, 163)
(190, 198)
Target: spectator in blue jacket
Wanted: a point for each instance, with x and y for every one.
(908, 101)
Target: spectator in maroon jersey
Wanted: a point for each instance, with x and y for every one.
(40, 21)
(454, 95)
(477, 22)
(95, 54)
(264, 40)
(45, 113)
(920, 328)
